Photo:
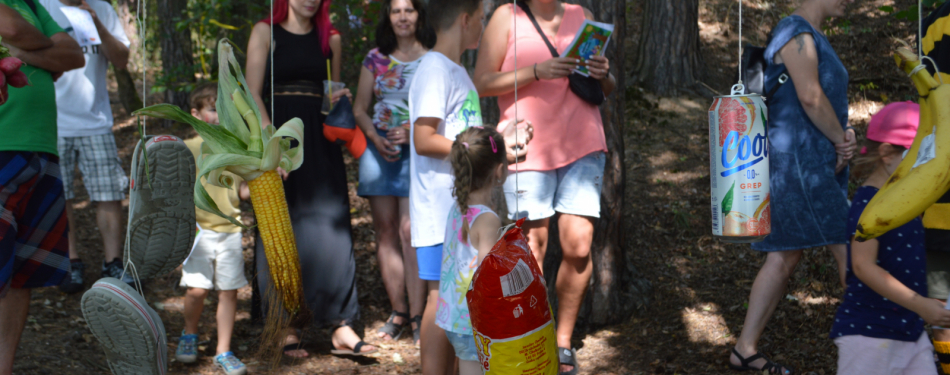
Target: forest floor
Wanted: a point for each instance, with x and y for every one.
(699, 284)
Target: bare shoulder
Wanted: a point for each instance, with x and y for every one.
(501, 14)
(588, 14)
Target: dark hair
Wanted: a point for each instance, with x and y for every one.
(320, 20)
(206, 94)
(443, 13)
(475, 154)
(386, 37)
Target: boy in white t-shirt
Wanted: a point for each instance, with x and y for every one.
(443, 102)
(84, 125)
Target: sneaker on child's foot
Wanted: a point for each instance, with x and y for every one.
(230, 364)
(114, 269)
(187, 351)
(73, 282)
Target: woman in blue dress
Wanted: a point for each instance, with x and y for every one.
(810, 145)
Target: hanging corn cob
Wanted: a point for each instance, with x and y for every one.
(241, 147)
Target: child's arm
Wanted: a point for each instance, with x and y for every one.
(484, 234)
(864, 264)
(428, 140)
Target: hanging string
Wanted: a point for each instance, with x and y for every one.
(141, 14)
(271, 52)
(514, 20)
(920, 28)
(739, 65)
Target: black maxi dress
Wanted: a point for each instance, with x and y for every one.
(317, 192)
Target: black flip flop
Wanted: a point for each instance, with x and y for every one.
(357, 350)
(289, 347)
(416, 331)
(391, 328)
(771, 367)
(568, 357)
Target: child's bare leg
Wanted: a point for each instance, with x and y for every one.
(469, 368)
(194, 303)
(840, 251)
(227, 306)
(437, 353)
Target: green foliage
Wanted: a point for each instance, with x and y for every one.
(356, 20)
(911, 13)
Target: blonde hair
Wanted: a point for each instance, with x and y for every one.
(475, 155)
(870, 156)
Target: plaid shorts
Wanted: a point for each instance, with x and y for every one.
(99, 164)
(34, 250)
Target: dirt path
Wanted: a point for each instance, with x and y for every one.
(700, 285)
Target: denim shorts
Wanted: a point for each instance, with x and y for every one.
(572, 189)
(464, 346)
(380, 177)
(430, 262)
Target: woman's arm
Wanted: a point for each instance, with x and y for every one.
(336, 46)
(64, 55)
(864, 264)
(599, 66)
(364, 95)
(257, 53)
(484, 234)
(18, 32)
(801, 58)
(490, 80)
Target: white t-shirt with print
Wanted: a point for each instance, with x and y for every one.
(82, 100)
(443, 90)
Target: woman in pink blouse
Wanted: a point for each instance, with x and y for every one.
(563, 172)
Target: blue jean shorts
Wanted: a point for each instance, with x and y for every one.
(430, 262)
(464, 346)
(572, 189)
(380, 177)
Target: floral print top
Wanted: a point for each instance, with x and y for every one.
(391, 87)
(459, 261)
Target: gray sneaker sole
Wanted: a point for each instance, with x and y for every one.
(131, 333)
(162, 222)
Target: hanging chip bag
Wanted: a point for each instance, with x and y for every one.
(511, 317)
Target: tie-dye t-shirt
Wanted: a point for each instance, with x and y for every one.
(459, 261)
(391, 79)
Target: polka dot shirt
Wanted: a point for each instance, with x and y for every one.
(901, 253)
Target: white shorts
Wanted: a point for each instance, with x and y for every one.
(861, 355)
(217, 262)
(572, 189)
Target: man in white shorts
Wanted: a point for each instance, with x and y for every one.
(84, 121)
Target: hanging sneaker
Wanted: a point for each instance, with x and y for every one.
(128, 330)
(161, 228)
(113, 269)
(230, 364)
(73, 282)
(187, 351)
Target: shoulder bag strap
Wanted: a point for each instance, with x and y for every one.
(524, 7)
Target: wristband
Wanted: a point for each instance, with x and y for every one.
(536, 72)
(849, 127)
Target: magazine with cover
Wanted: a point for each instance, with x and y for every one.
(591, 40)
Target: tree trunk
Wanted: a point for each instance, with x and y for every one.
(128, 94)
(177, 59)
(614, 284)
(669, 59)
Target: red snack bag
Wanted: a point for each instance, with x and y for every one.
(511, 317)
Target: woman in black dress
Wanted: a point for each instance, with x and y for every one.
(317, 195)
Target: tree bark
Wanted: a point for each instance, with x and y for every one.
(669, 59)
(614, 284)
(128, 94)
(177, 59)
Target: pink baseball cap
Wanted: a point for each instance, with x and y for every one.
(896, 124)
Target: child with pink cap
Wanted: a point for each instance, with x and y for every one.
(879, 327)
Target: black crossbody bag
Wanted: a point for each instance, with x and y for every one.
(586, 88)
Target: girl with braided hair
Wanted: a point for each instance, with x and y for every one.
(480, 165)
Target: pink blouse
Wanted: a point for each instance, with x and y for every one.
(566, 128)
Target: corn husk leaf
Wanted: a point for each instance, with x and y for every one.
(229, 147)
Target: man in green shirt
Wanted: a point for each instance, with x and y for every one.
(33, 229)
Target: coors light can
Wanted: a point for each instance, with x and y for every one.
(739, 168)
